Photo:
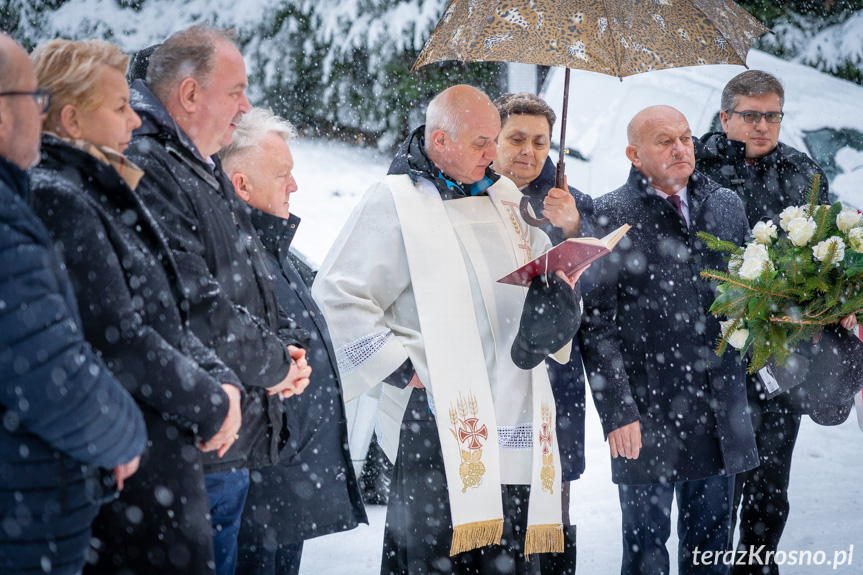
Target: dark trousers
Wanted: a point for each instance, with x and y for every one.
(703, 524)
(267, 557)
(418, 531)
(226, 492)
(763, 491)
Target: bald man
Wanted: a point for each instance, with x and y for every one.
(675, 414)
(71, 434)
(409, 291)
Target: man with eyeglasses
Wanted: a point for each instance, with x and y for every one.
(768, 176)
(71, 434)
(748, 157)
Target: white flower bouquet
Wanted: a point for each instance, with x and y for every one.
(787, 283)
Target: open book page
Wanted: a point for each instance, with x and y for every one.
(569, 256)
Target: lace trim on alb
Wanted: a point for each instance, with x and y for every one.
(515, 436)
(354, 355)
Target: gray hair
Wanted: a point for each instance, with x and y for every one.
(751, 83)
(253, 128)
(185, 54)
(442, 114)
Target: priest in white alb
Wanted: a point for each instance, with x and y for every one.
(410, 292)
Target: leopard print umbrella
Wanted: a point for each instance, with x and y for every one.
(614, 37)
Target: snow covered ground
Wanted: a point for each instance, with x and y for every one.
(826, 513)
(826, 516)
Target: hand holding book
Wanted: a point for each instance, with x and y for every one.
(570, 256)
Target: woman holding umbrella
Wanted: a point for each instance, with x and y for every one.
(522, 156)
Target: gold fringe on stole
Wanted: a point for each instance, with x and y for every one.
(543, 539)
(478, 534)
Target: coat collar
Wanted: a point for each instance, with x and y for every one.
(544, 181)
(15, 178)
(717, 145)
(699, 189)
(411, 159)
(156, 120)
(276, 233)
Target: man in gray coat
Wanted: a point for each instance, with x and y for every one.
(675, 414)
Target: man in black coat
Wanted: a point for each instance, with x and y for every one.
(189, 108)
(312, 491)
(674, 413)
(66, 421)
(769, 176)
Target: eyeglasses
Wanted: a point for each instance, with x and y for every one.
(751, 117)
(42, 97)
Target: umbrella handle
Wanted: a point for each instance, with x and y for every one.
(525, 214)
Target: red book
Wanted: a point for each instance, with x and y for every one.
(568, 256)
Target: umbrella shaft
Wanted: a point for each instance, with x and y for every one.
(561, 168)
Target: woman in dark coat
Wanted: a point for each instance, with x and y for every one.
(127, 288)
(522, 156)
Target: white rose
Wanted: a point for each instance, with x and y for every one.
(855, 239)
(738, 337)
(790, 213)
(821, 250)
(801, 230)
(764, 232)
(848, 218)
(754, 259)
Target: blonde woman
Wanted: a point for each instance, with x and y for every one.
(132, 306)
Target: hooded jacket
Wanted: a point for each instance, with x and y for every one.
(135, 314)
(223, 270)
(567, 380)
(776, 181)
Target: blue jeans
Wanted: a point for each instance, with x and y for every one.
(226, 492)
(703, 524)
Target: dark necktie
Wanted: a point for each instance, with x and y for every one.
(675, 201)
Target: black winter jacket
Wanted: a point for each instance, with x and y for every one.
(64, 415)
(223, 269)
(319, 494)
(135, 314)
(648, 339)
(128, 289)
(567, 380)
(776, 181)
